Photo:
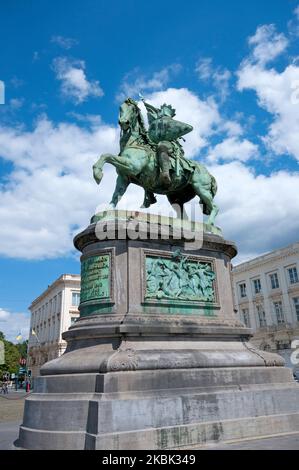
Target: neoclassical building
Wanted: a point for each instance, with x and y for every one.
(52, 313)
(266, 292)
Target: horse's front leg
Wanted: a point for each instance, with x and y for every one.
(98, 167)
(121, 186)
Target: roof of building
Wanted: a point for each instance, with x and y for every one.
(63, 279)
(265, 258)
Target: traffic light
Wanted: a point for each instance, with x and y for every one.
(29, 373)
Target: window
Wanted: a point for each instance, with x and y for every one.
(75, 298)
(245, 315)
(296, 304)
(279, 312)
(261, 316)
(257, 287)
(274, 281)
(242, 290)
(293, 275)
(282, 345)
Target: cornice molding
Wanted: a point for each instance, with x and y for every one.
(63, 280)
(259, 261)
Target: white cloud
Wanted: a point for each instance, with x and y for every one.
(51, 194)
(135, 82)
(17, 82)
(221, 82)
(14, 323)
(16, 103)
(204, 68)
(74, 83)
(257, 211)
(92, 119)
(293, 24)
(267, 44)
(277, 93)
(217, 76)
(232, 128)
(51, 190)
(4, 314)
(233, 148)
(64, 42)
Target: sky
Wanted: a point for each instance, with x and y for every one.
(231, 69)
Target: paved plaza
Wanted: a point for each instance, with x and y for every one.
(11, 414)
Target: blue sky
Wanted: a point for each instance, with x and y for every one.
(230, 69)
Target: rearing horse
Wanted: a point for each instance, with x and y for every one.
(137, 163)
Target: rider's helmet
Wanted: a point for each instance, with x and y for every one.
(167, 110)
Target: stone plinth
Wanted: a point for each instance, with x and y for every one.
(158, 358)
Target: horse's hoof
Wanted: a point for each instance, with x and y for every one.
(98, 177)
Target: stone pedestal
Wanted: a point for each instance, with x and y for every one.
(158, 359)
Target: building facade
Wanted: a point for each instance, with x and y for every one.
(266, 293)
(52, 313)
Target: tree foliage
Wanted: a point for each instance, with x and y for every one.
(22, 348)
(12, 354)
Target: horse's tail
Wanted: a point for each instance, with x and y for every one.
(214, 186)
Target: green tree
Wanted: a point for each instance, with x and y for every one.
(22, 348)
(11, 356)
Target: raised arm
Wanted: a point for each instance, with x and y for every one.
(152, 112)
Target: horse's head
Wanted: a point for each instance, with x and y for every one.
(128, 113)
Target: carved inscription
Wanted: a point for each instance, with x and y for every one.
(95, 278)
